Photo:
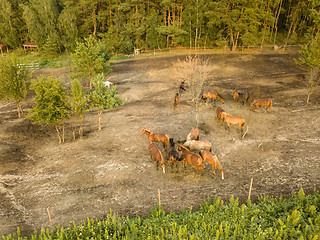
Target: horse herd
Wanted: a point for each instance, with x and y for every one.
(182, 154)
(194, 151)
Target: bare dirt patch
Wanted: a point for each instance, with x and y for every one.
(111, 168)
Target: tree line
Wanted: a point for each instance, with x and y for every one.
(124, 25)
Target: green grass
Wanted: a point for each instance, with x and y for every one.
(296, 217)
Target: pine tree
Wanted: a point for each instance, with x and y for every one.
(90, 58)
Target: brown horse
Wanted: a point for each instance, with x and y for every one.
(261, 103)
(194, 159)
(156, 154)
(181, 88)
(230, 120)
(242, 96)
(152, 137)
(198, 145)
(173, 154)
(175, 100)
(194, 134)
(214, 161)
(212, 95)
(219, 115)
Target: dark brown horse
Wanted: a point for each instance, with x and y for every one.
(153, 137)
(173, 154)
(181, 88)
(212, 95)
(214, 161)
(194, 159)
(241, 96)
(156, 154)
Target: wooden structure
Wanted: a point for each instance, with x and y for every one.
(29, 45)
(2, 46)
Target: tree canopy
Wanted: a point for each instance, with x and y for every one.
(56, 25)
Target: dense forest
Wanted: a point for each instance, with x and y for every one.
(57, 25)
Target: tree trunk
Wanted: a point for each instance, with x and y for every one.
(99, 112)
(81, 128)
(56, 125)
(62, 132)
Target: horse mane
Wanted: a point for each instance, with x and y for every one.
(219, 166)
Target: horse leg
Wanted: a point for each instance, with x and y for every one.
(213, 168)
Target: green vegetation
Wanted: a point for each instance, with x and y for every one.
(102, 98)
(296, 217)
(57, 25)
(310, 58)
(13, 85)
(52, 107)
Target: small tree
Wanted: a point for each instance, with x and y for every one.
(310, 59)
(13, 81)
(90, 58)
(52, 107)
(78, 103)
(194, 72)
(103, 98)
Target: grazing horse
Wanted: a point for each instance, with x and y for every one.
(173, 154)
(229, 120)
(175, 100)
(194, 134)
(192, 158)
(243, 96)
(152, 137)
(212, 95)
(198, 145)
(156, 154)
(214, 161)
(261, 103)
(220, 115)
(181, 88)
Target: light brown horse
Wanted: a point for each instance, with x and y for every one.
(212, 95)
(194, 134)
(156, 154)
(261, 103)
(219, 115)
(194, 159)
(198, 145)
(153, 137)
(230, 120)
(214, 161)
(175, 100)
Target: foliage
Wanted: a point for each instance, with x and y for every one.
(52, 107)
(296, 217)
(13, 81)
(310, 58)
(78, 102)
(57, 25)
(102, 98)
(90, 58)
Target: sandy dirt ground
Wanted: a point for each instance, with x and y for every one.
(111, 169)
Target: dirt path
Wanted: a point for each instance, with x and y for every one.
(111, 168)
